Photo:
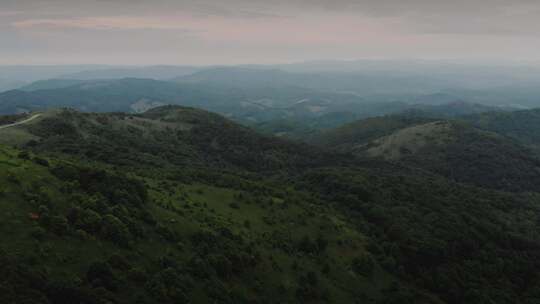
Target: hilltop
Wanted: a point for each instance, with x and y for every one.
(164, 136)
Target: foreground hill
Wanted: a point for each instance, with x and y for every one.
(82, 234)
(161, 207)
(180, 205)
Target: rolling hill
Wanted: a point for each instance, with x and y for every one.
(312, 129)
(171, 205)
(169, 135)
(450, 148)
(88, 234)
(522, 126)
(365, 130)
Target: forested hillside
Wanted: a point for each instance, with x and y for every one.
(178, 204)
(452, 148)
(82, 232)
(520, 125)
(164, 136)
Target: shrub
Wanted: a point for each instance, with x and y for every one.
(363, 265)
(100, 274)
(169, 286)
(58, 224)
(89, 221)
(38, 233)
(24, 155)
(41, 161)
(114, 230)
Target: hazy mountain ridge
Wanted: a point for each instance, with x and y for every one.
(376, 81)
(263, 107)
(161, 72)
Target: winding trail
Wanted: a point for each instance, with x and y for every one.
(20, 122)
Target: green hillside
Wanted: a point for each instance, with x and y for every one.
(363, 131)
(178, 205)
(164, 136)
(520, 125)
(448, 238)
(87, 234)
(453, 149)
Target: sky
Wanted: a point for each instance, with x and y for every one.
(206, 32)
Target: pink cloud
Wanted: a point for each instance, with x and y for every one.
(100, 23)
(9, 13)
(303, 30)
(300, 30)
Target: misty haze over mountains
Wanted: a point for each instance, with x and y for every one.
(355, 82)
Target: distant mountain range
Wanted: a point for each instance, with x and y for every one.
(372, 80)
(252, 97)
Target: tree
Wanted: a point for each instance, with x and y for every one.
(363, 265)
(58, 224)
(169, 286)
(114, 230)
(89, 221)
(100, 274)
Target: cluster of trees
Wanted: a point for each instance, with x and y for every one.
(447, 238)
(209, 141)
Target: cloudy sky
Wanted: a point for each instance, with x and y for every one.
(265, 31)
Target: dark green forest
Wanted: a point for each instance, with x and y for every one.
(179, 205)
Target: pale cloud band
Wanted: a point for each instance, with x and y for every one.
(100, 23)
(242, 31)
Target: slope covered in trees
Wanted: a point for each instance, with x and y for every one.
(92, 234)
(169, 135)
(452, 148)
(520, 125)
(181, 205)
